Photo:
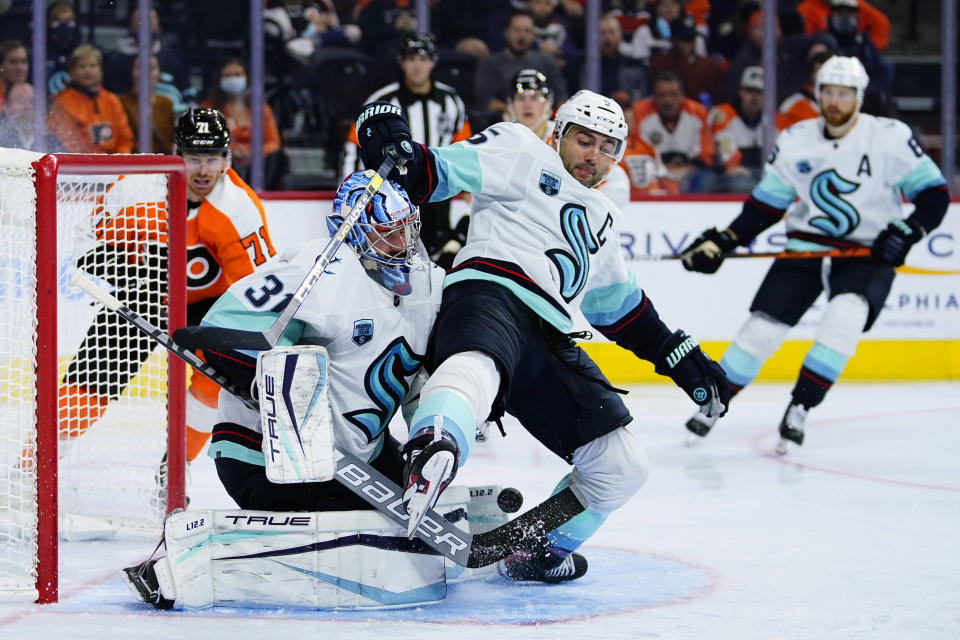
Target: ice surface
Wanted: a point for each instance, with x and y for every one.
(853, 535)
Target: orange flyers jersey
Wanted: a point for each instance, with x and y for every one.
(90, 124)
(689, 137)
(731, 134)
(648, 176)
(795, 108)
(227, 235)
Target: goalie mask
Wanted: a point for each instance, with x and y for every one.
(596, 113)
(385, 236)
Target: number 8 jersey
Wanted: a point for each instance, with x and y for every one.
(849, 188)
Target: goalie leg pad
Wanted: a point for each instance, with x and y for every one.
(265, 559)
(295, 414)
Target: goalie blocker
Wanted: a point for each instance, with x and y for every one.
(338, 560)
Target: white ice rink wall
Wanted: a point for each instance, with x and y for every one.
(917, 337)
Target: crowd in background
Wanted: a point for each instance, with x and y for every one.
(686, 72)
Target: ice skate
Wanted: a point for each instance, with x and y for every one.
(791, 428)
(431, 466)
(699, 426)
(543, 565)
(143, 583)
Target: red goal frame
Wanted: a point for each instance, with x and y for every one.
(47, 169)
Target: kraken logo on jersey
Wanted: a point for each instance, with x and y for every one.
(574, 268)
(826, 191)
(386, 384)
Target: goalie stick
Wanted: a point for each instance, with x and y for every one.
(523, 532)
(198, 337)
(856, 252)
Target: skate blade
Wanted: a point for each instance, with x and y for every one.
(418, 503)
(692, 440)
(782, 447)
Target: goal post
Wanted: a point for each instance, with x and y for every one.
(87, 411)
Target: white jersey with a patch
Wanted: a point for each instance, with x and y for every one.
(848, 188)
(534, 229)
(375, 340)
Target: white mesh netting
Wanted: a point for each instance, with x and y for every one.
(112, 381)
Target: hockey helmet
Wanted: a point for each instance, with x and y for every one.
(386, 235)
(845, 71)
(417, 43)
(202, 131)
(529, 80)
(596, 113)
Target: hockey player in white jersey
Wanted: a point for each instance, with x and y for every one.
(542, 242)
(850, 172)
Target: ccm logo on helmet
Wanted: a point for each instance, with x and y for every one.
(376, 110)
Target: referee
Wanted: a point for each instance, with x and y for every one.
(437, 118)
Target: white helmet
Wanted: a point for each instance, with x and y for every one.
(843, 71)
(596, 113)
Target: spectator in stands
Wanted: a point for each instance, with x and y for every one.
(870, 21)
(621, 77)
(803, 104)
(842, 24)
(437, 117)
(496, 70)
(14, 67)
(530, 102)
(676, 127)
(16, 117)
(550, 31)
(653, 38)
(701, 75)
(63, 36)
(161, 111)
(232, 99)
(303, 27)
(462, 25)
(85, 117)
(117, 63)
(738, 134)
(384, 23)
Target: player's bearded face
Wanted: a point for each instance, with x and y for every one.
(587, 155)
(203, 171)
(837, 104)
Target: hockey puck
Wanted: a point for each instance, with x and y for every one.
(510, 500)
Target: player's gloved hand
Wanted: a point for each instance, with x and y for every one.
(705, 254)
(430, 466)
(893, 243)
(382, 130)
(701, 378)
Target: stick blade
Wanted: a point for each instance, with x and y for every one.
(218, 339)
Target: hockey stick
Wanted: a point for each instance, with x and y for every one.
(523, 532)
(198, 337)
(856, 252)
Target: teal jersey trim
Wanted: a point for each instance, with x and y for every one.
(795, 244)
(741, 367)
(925, 175)
(772, 192)
(539, 306)
(233, 450)
(604, 306)
(457, 419)
(825, 362)
(458, 169)
(229, 313)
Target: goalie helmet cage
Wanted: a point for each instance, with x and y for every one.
(82, 195)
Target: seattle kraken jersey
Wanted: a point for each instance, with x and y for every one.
(849, 188)
(375, 341)
(534, 229)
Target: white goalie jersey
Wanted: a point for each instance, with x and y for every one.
(534, 229)
(375, 341)
(849, 188)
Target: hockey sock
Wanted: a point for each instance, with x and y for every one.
(569, 536)
(77, 408)
(201, 416)
(741, 367)
(821, 368)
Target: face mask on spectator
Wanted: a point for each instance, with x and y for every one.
(65, 36)
(843, 25)
(233, 84)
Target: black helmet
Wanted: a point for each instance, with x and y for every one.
(421, 43)
(529, 80)
(202, 131)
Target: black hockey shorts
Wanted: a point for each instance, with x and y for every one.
(547, 382)
(791, 286)
(247, 483)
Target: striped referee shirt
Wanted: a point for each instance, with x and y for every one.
(436, 119)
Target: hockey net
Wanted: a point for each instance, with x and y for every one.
(91, 412)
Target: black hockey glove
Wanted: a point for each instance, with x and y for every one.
(701, 378)
(705, 254)
(893, 243)
(381, 130)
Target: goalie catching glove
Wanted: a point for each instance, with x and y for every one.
(681, 359)
(705, 254)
